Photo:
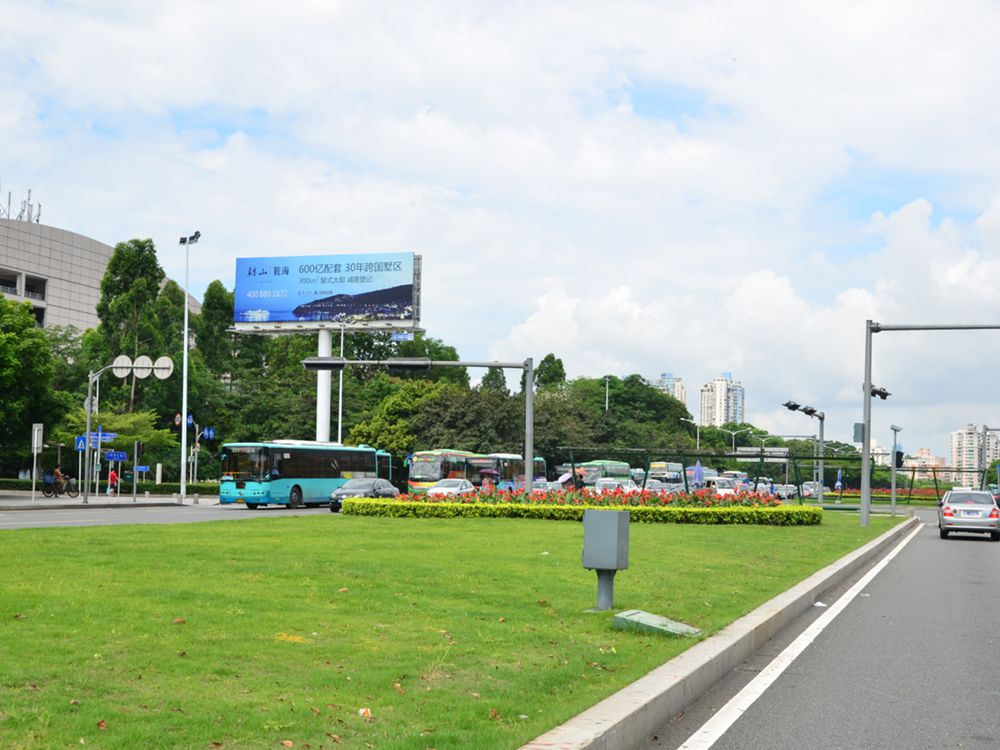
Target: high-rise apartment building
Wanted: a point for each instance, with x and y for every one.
(924, 462)
(966, 454)
(673, 387)
(721, 402)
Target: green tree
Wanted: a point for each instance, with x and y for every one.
(550, 371)
(129, 290)
(434, 349)
(212, 325)
(390, 426)
(478, 420)
(494, 380)
(27, 372)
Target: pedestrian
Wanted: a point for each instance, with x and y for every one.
(112, 481)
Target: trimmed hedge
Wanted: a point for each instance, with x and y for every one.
(782, 515)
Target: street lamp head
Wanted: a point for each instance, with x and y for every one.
(791, 406)
(195, 237)
(894, 428)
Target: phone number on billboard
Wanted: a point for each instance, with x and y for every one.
(255, 293)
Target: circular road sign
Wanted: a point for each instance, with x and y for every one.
(163, 367)
(142, 366)
(122, 366)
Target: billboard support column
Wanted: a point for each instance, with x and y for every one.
(323, 387)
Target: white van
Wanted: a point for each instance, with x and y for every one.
(721, 486)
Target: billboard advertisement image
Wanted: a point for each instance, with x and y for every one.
(340, 289)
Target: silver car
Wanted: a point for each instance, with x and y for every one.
(969, 510)
(448, 487)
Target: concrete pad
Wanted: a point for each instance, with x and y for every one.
(647, 622)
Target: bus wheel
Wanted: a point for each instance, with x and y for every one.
(252, 506)
(295, 498)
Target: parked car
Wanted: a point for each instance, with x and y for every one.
(811, 489)
(721, 486)
(969, 510)
(785, 491)
(655, 485)
(613, 485)
(451, 487)
(361, 488)
(547, 487)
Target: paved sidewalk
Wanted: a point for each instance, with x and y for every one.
(22, 500)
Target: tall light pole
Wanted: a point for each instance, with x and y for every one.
(606, 379)
(734, 433)
(816, 414)
(892, 472)
(697, 427)
(187, 242)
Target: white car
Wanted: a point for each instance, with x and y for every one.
(451, 487)
(613, 485)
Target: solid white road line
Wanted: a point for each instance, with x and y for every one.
(719, 724)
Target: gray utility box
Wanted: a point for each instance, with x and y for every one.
(605, 539)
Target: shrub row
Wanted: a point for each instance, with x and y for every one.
(784, 515)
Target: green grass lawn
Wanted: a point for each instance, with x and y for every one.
(461, 633)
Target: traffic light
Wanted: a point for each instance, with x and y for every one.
(400, 366)
(899, 459)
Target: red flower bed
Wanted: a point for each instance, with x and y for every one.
(697, 499)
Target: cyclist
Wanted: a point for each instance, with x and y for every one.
(59, 479)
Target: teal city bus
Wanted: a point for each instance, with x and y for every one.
(294, 472)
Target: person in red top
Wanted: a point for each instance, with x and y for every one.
(112, 481)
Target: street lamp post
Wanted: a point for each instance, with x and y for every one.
(187, 242)
(697, 433)
(815, 413)
(734, 433)
(892, 471)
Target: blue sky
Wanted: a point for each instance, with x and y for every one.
(689, 187)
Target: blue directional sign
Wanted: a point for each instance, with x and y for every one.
(190, 419)
(209, 433)
(115, 456)
(81, 443)
(142, 468)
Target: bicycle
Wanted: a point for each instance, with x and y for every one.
(69, 488)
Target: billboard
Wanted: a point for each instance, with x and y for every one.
(319, 291)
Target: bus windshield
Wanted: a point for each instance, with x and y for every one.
(245, 462)
(426, 469)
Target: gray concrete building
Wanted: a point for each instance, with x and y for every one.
(58, 272)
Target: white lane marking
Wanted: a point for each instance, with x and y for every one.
(719, 724)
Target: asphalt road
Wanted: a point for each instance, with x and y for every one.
(911, 662)
(95, 516)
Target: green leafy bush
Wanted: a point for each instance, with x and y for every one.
(781, 515)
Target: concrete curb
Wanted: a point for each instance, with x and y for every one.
(72, 506)
(628, 718)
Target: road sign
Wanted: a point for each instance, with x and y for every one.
(36, 437)
(142, 366)
(142, 468)
(81, 443)
(163, 367)
(122, 366)
(190, 419)
(209, 433)
(115, 456)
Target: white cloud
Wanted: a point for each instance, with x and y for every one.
(835, 163)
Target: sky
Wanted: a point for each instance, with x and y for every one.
(636, 187)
